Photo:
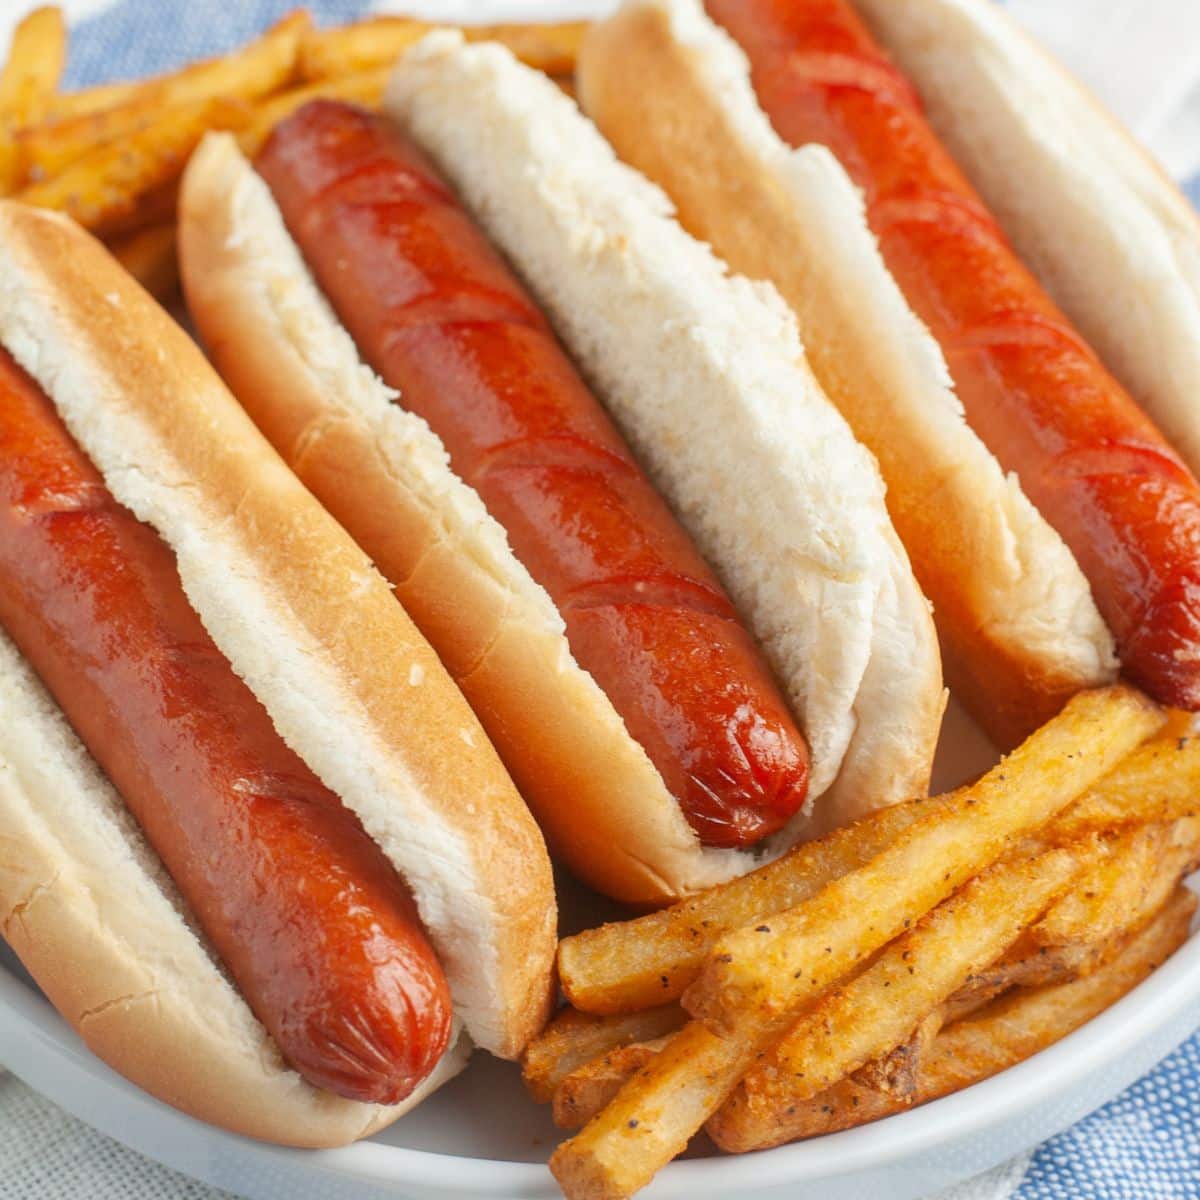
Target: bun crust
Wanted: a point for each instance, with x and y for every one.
(1110, 236)
(1018, 626)
(386, 477)
(705, 376)
(298, 611)
(86, 905)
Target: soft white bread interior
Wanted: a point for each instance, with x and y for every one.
(86, 905)
(1113, 240)
(384, 474)
(1019, 628)
(299, 612)
(706, 377)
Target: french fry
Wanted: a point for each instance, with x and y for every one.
(583, 1093)
(95, 99)
(574, 1039)
(898, 1073)
(1158, 782)
(881, 1008)
(1007, 1032)
(102, 190)
(27, 83)
(770, 970)
(379, 41)
(256, 70)
(365, 87)
(149, 256)
(629, 965)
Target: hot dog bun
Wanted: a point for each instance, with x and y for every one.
(1109, 235)
(1019, 628)
(307, 623)
(381, 471)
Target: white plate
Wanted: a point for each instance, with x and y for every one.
(481, 1136)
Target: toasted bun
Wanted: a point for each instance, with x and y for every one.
(87, 906)
(1112, 239)
(386, 477)
(1020, 630)
(705, 376)
(299, 612)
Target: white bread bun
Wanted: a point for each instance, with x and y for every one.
(705, 376)
(384, 474)
(87, 906)
(1111, 238)
(300, 614)
(1019, 628)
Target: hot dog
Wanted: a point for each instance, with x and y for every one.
(1034, 394)
(126, 474)
(1040, 399)
(688, 719)
(443, 321)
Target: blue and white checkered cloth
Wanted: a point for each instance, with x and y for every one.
(1145, 1145)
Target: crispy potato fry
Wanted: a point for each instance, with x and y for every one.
(248, 74)
(379, 41)
(583, 1093)
(1002, 1035)
(102, 190)
(574, 1039)
(365, 87)
(1114, 884)
(771, 970)
(898, 1073)
(96, 99)
(654, 1115)
(149, 256)
(882, 1007)
(629, 965)
(1158, 782)
(27, 84)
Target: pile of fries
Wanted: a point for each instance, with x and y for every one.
(111, 155)
(918, 951)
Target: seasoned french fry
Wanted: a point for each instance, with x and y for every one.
(583, 1093)
(1158, 782)
(365, 87)
(898, 1073)
(629, 965)
(1005, 1033)
(27, 83)
(574, 1039)
(379, 41)
(247, 74)
(880, 1008)
(771, 970)
(96, 99)
(149, 256)
(103, 189)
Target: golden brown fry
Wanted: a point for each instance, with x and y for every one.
(248, 74)
(27, 83)
(379, 41)
(366, 88)
(1115, 883)
(898, 1073)
(770, 970)
(1002, 1035)
(1158, 782)
(654, 1115)
(96, 99)
(881, 1008)
(583, 1093)
(574, 1039)
(102, 190)
(149, 256)
(634, 964)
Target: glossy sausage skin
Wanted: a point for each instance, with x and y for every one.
(1037, 395)
(310, 918)
(441, 317)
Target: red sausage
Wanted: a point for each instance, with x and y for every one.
(1092, 462)
(310, 918)
(441, 317)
